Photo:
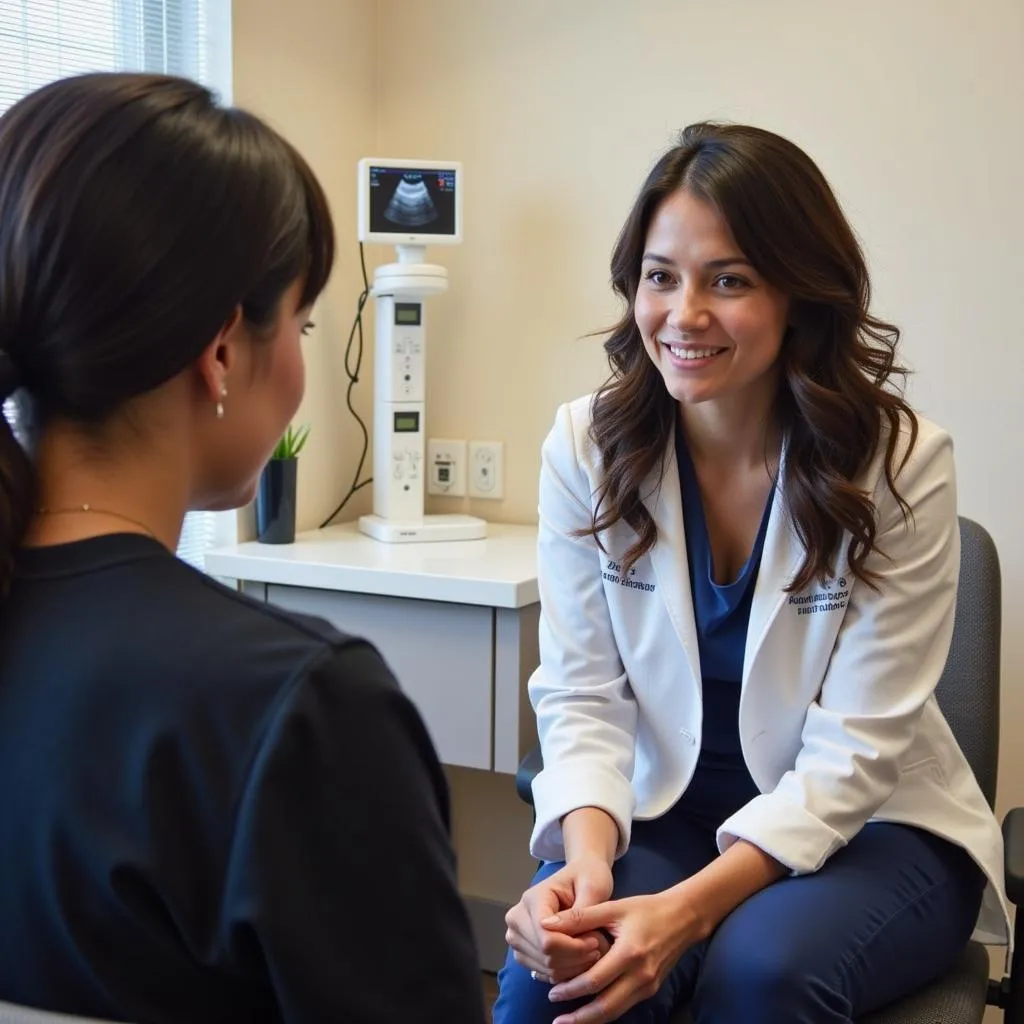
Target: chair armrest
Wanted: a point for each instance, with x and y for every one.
(1013, 843)
(529, 768)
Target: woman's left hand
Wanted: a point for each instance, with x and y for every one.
(650, 933)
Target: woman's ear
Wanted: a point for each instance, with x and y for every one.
(220, 357)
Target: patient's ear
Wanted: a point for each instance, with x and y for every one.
(217, 361)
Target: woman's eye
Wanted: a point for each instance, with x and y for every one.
(731, 283)
(308, 326)
(656, 277)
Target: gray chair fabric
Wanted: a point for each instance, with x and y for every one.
(968, 691)
(958, 998)
(968, 694)
(10, 1014)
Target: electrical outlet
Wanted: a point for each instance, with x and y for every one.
(446, 467)
(486, 469)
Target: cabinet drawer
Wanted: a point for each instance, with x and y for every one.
(442, 655)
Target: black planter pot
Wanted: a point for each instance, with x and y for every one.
(275, 502)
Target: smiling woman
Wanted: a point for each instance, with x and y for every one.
(781, 262)
(728, 814)
(710, 323)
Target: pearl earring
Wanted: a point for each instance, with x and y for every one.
(220, 405)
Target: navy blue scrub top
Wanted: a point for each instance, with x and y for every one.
(721, 783)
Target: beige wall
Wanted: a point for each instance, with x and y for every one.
(310, 68)
(558, 107)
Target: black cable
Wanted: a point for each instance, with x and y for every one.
(353, 380)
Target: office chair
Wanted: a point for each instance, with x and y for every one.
(968, 694)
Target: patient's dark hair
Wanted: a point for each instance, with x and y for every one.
(836, 403)
(136, 214)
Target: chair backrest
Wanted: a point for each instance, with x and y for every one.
(11, 1014)
(968, 691)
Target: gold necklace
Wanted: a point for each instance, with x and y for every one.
(86, 507)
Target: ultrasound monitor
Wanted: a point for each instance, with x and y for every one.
(410, 202)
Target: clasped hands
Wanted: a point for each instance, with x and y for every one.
(560, 929)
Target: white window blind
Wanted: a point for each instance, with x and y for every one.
(42, 40)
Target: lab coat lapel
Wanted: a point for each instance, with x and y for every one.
(663, 499)
(780, 560)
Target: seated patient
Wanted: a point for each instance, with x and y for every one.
(210, 810)
(749, 554)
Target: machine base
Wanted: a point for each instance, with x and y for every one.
(429, 529)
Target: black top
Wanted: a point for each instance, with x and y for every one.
(211, 810)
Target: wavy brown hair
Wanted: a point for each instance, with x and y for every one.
(836, 402)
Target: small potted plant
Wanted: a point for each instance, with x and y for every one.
(275, 498)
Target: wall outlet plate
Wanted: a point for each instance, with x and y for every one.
(446, 467)
(487, 469)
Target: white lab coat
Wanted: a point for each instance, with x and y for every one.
(838, 720)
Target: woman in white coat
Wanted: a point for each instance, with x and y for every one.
(749, 553)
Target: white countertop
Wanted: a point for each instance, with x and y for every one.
(499, 571)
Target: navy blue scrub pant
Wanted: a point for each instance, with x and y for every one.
(886, 914)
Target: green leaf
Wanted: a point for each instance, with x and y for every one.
(300, 439)
(291, 443)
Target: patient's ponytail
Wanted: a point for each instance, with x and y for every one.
(17, 480)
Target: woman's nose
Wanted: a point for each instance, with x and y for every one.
(689, 313)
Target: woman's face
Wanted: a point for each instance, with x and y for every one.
(264, 389)
(710, 323)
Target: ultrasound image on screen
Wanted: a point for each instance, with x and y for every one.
(412, 201)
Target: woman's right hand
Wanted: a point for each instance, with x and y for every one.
(584, 882)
